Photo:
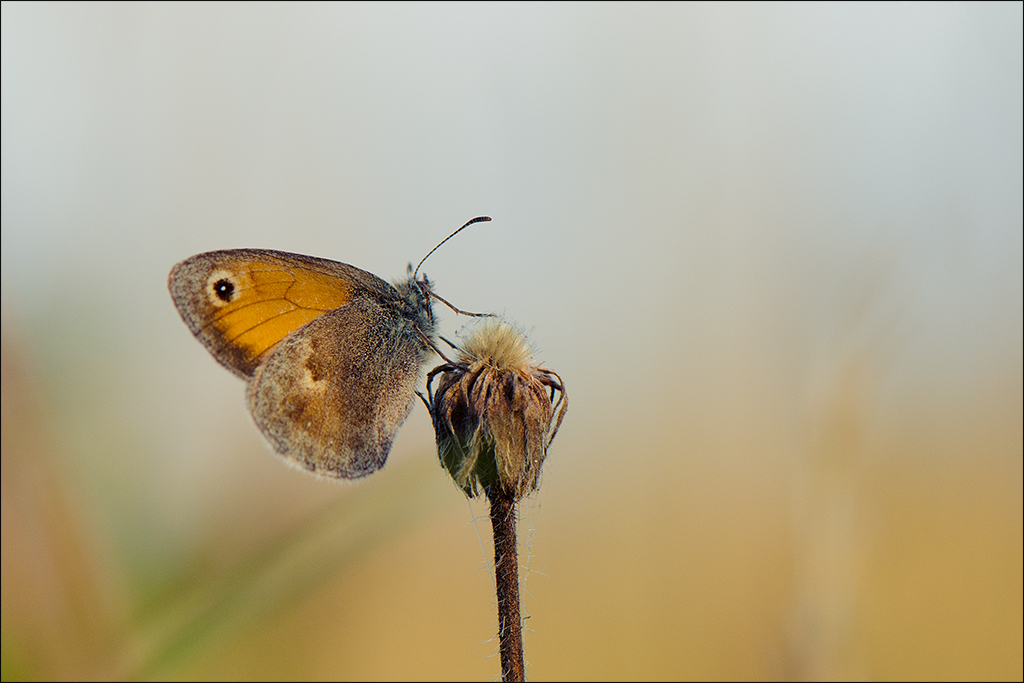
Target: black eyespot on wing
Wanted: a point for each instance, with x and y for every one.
(224, 289)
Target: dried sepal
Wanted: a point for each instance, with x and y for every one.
(495, 412)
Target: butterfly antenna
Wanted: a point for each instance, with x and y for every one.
(478, 219)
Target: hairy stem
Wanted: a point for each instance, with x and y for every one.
(506, 575)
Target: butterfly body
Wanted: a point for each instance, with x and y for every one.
(331, 353)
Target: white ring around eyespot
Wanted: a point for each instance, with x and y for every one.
(215, 277)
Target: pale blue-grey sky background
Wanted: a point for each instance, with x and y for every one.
(698, 211)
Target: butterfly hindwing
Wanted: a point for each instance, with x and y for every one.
(331, 401)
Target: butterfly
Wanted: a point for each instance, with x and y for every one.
(330, 353)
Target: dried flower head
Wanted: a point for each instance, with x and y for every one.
(493, 412)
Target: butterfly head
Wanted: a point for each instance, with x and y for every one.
(414, 300)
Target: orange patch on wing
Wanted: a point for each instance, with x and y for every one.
(263, 336)
(271, 302)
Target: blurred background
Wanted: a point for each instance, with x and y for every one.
(775, 252)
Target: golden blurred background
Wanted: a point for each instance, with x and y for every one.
(775, 252)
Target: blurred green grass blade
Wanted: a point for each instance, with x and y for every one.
(285, 572)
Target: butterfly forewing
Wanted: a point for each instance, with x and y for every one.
(240, 303)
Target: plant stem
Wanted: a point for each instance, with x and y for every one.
(506, 579)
